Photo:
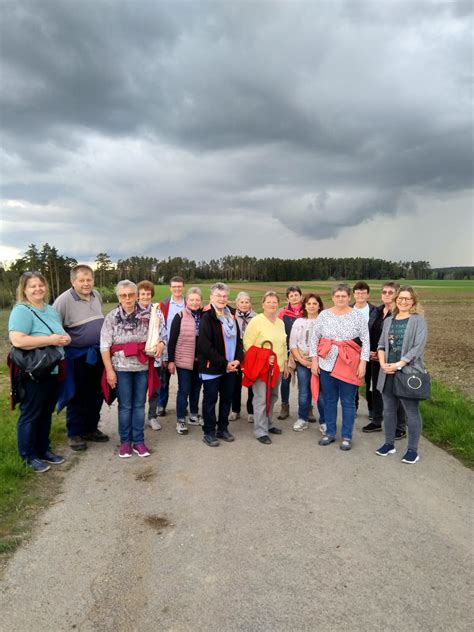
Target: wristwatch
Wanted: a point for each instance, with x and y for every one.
(399, 367)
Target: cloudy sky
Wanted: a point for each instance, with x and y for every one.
(200, 129)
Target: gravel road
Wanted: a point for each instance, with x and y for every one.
(248, 537)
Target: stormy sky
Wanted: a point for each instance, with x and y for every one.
(200, 129)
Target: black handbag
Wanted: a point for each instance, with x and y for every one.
(36, 363)
(411, 384)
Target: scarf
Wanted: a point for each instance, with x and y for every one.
(228, 323)
(196, 314)
(293, 311)
(246, 318)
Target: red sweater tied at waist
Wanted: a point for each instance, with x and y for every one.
(348, 359)
(133, 349)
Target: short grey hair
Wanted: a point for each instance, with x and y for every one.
(125, 283)
(341, 287)
(194, 290)
(220, 287)
(242, 295)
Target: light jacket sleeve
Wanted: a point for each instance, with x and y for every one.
(420, 336)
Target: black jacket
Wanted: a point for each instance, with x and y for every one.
(211, 346)
(376, 325)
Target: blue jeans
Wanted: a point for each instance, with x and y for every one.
(131, 395)
(304, 394)
(189, 386)
(221, 387)
(285, 390)
(164, 390)
(34, 422)
(334, 390)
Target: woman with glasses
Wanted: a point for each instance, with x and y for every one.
(35, 324)
(220, 353)
(402, 343)
(128, 368)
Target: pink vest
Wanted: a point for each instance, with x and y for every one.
(185, 352)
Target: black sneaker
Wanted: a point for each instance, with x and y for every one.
(50, 457)
(265, 440)
(225, 435)
(400, 434)
(372, 427)
(161, 412)
(210, 440)
(97, 436)
(38, 466)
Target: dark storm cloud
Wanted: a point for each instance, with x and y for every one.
(319, 114)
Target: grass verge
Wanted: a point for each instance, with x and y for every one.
(448, 421)
(22, 492)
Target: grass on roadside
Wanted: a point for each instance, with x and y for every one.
(21, 490)
(448, 421)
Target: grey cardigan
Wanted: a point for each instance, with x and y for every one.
(413, 346)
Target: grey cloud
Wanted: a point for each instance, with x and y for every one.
(140, 111)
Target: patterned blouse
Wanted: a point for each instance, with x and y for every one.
(344, 327)
(120, 328)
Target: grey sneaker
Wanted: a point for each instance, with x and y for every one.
(251, 419)
(181, 427)
(153, 423)
(234, 416)
(195, 420)
(300, 425)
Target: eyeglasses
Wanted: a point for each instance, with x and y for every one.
(403, 298)
(129, 295)
(222, 296)
(388, 292)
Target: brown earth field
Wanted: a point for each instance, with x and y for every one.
(450, 350)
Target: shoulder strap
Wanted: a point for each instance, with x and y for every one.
(39, 317)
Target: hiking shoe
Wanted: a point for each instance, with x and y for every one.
(153, 423)
(251, 419)
(38, 466)
(326, 440)
(234, 416)
(141, 449)
(50, 457)
(346, 445)
(225, 435)
(400, 434)
(322, 428)
(125, 450)
(161, 412)
(311, 417)
(411, 456)
(284, 412)
(210, 440)
(372, 427)
(387, 448)
(195, 420)
(181, 427)
(97, 436)
(300, 425)
(77, 443)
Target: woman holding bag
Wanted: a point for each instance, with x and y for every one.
(35, 324)
(401, 344)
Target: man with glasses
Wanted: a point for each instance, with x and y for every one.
(80, 310)
(375, 330)
(170, 307)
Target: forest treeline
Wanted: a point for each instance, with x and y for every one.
(56, 266)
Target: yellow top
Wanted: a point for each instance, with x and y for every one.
(260, 328)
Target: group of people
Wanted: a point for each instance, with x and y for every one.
(217, 349)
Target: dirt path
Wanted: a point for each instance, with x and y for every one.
(247, 537)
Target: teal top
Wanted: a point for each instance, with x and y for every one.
(395, 339)
(23, 320)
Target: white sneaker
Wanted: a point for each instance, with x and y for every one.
(181, 427)
(195, 420)
(322, 428)
(251, 419)
(300, 425)
(234, 416)
(153, 423)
